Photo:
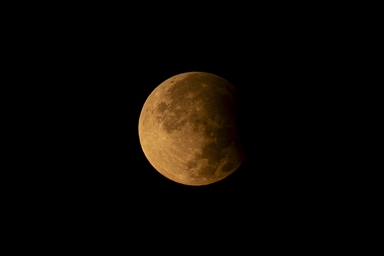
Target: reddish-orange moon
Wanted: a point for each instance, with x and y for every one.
(188, 129)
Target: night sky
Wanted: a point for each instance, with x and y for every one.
(99, 78)
(86, 70)
(105, 99)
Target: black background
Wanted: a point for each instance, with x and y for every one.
(103, 86)
(94, 73)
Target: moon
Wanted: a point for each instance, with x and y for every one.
(188, 129)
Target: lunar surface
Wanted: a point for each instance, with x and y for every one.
(188, 129)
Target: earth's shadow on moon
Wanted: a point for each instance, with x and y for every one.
(247, 132)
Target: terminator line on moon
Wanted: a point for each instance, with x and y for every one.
(188, 129)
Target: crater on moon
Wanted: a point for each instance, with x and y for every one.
(188, 129)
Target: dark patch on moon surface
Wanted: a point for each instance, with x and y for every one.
(207, 171)
(162, 107)
(225, 136)
(186, 85)
(211, 152)
(191, 164)
(209, 100)
(175, 125)
(227, 167)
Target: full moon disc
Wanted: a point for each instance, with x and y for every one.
(188, 129)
